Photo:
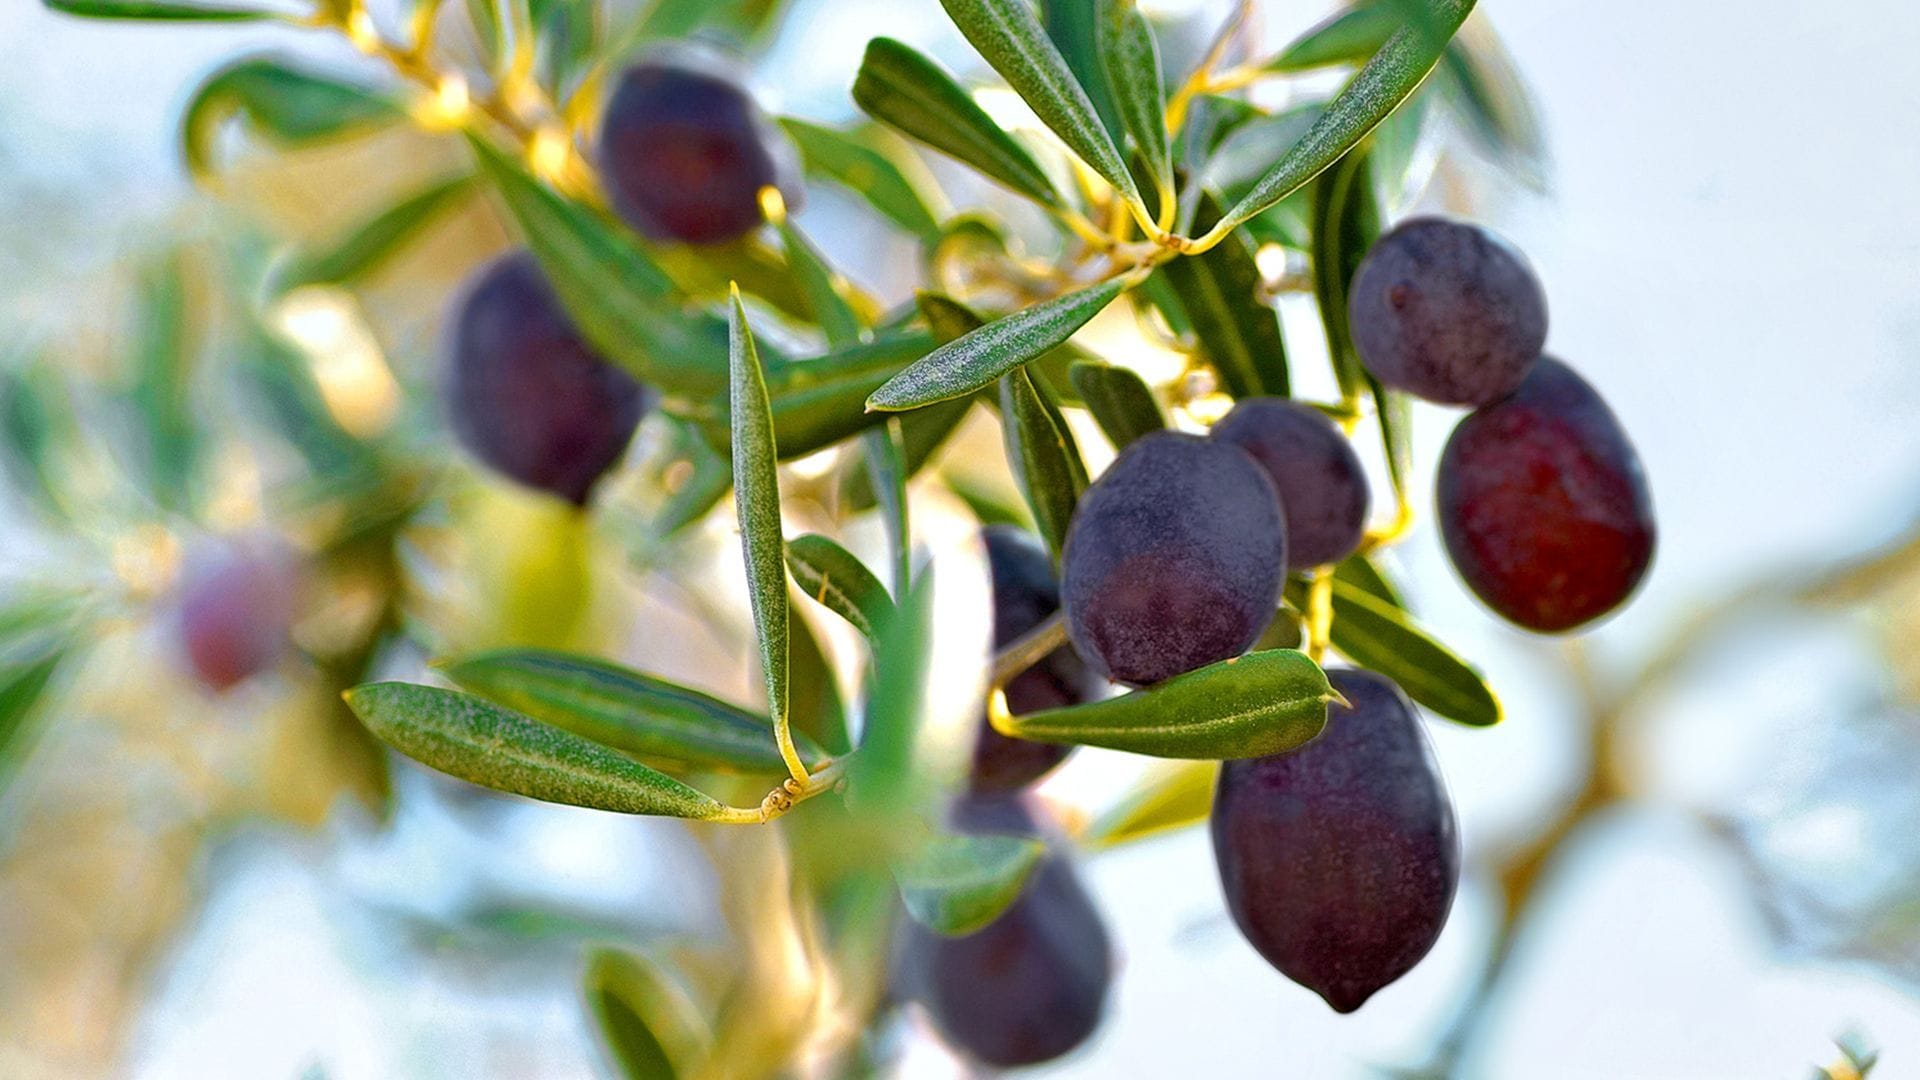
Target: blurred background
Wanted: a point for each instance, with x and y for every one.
(1693, 846)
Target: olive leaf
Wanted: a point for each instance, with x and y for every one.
(1252, 706)
(867, 172)
(1173, 796)
(831, 312)
(1119, 399)
(1393, 74)
(819, 401)
(1359, 572)
(650, 1025)
(983, 355)
(1377, 635)
(375, 240)
(1009, 36)
(756, 500)
(956, 885)
(1071, 26)
(623, 302)
(888, 779)
(886, 461)
(840, 582)
(1346, 219)
(155, 10)
(923, 432)
(290, 105)
(1219, 292)
(903, 89)
(815, 710)
(161, 395)
(1046, 461)
(1349, 37)
(24, 681)
(639, 714)
(1130, 60)
(495, 747)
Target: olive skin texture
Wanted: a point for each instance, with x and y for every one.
(235, 610)
(685, 151)
(526, 394)
(1322, 485)
(1543, 504)
(1030, 986)
(1339, 859)
(1174, 559)
(1025, 594)
(1447, 312)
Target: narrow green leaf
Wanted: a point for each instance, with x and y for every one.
(1072, 26)
(756, 499)
(1009, 36)
(956, 885)
(840, 582)
(910, 93)
(887, 781)
(566, 33)
(378, 238)
(820, 401)
(37, 425)
(623, 302)
(816, 712)
(290, 105)
(831, 311)
(923, 432)
(1046, 461)
(1219, 292)
(1131, 60)
(23, 682)
(649, 1024)
(1359, 572)
(1349, 37)
(1388, 79)
(709, 482)
(487, 31)
(886, 462)
(1252, 706)
(637, 714)
(1173, 796)
(981, 356)
(1346, 219)
(155, 10)
(484, 744)
(867, 172)
(1395, 413)
(1120, 401)
(161, 394)
(1376, 635)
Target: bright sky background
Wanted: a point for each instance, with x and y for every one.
(1732, 252)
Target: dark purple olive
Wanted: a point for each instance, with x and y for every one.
(1448, 312)
(1543, 504)
(1025, 594)
(1032, 985)
(685, 152)
(1339, 859)
(1322, 485)
(236, 607)
(1174, 559)
(526, 394)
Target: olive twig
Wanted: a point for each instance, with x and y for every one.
(1028, 649)
(1202, 78)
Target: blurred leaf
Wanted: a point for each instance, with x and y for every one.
(1393, 74)
(1211, 119)
(744, 20)
(621, 299)
(709, 480)
(756, 500)
(817, 402)
(637, 714)
(36, 423)
(868, 173)
(567, 32)
(650, 1026)
(375, 240)
(1486, 90)
(1346, 219)
(1130, 63)
(1046, 462)
(290, 105)
(957, 885)
(886, 462)
(23, 682)
(840, 582)
(1239, 331)
(988, 504)
(1173, 796)
(983, 355)
(922, 432)
(817, 714)
(160, 395)
(487, 31)
(284, 382)
(1252, 706)
(152, 9)
(910, 93)
(1119, 399)
(831, 311)
(887, 784)
(1009, 36)
(1349, 37)
(497, 748)
(1378, 636)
